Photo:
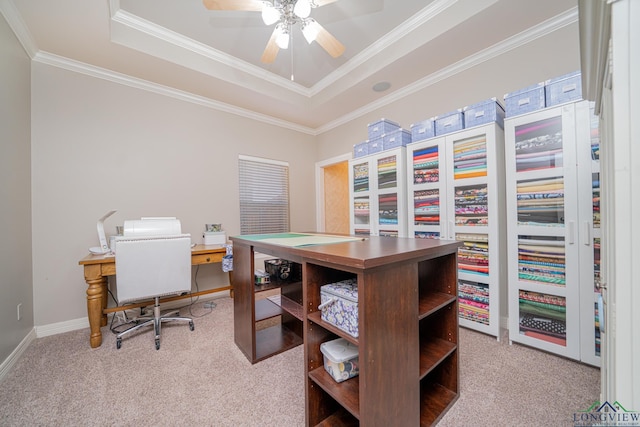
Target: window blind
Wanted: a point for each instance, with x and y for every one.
(264, 195)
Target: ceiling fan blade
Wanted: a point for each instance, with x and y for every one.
(329, 42)
(249, 5)
(271, 51)
(318, 3)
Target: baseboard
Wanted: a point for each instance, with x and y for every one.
(83, 322)
(8, 363)
(62, 327)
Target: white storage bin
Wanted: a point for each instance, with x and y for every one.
(340, 359)
(361, 149)
(379, 128)
(397, 138)
(449, 122)
(566, 88)
(484, 112)
(375, 145)
(526, 100)
(423, 130)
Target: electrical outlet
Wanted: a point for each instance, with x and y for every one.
(19, 309)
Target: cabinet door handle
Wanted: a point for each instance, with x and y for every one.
(572, 232)
(587, 233)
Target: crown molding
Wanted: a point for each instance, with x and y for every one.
(543, 29)
(157, 32)
(373, 51)
(123, 79)
(19, 28)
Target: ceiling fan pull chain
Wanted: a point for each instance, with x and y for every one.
(291, 35)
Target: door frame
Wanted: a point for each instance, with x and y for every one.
(320, 214)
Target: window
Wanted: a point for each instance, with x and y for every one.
(264, 195)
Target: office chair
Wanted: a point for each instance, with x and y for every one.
(152, 261)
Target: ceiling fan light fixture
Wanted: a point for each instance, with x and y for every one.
(310, 30)
(270, 15)
(302, 8)
(282, 39)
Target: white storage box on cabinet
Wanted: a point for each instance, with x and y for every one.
(566, 88)
(339, 305)
(449, 122)
(379, 128)
(340, 359)
(526, 100)
(397, 138)
(484, 112)
(423, 130)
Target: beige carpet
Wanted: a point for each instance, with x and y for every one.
(200, 378)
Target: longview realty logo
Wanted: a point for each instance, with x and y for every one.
(606, 414)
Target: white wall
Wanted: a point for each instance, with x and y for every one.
(98, 145)
(15, 192)
(543, 58)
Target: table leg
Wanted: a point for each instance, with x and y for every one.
(96, 302)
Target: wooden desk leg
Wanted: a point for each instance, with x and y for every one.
(96, 302)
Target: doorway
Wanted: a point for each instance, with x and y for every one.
(332, 195)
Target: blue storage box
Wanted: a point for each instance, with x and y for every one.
(449, 122)
(375, 145)
(484, 112)
(361, 149)
(379, 128)
(423, 130)
(397, 138)
(530, 98)
(563, 89)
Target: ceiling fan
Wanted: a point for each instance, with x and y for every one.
(285, 14)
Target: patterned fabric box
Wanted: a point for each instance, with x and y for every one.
(449, 122)
(423, 130)
(484, 112)
(339, 305)
(397, 138)
(531, 98)
(375, 145)
(361, 149)
(563, 89)
(379, 128)
(340, 359)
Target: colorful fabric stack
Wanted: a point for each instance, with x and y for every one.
(425, 165)
(473, 257)
(361, 210)
(541, 260)
(426, 207)
(539, 146)
(470, 158)
(361, 177)
(473, 301)
(541, 202)
(387, 172)
(543, 316)
(471, 206)
(595, 184)
(388, 209)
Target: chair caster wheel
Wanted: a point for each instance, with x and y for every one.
(191, 326)
(118, 343)
(157, 344)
